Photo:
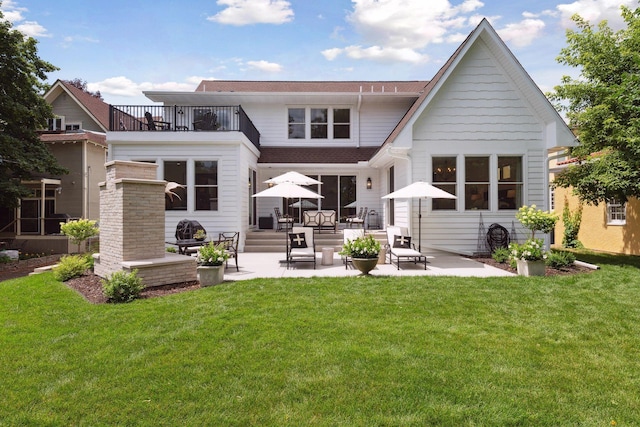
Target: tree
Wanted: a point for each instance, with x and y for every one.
(603, 107)
(82, 85)
(23, 110)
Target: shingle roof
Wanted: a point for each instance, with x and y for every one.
(98, 138)
(332, 155)
(312, 86)
(97, 107)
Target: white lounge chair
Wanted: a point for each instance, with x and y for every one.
(302, 246)
(399, 246)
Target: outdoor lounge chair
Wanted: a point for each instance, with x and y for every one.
(350, 234)
(230, 242)
(359, 219)
(399, 246)
(302, 246)
(209, 121)
(156, 124)
(282, 219)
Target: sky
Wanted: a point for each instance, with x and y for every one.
(124, 47)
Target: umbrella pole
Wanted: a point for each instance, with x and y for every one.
(420, 225)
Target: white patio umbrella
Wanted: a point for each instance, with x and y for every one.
(288, 191)
(419, 190)
(353, 204)
(304, 204)
(293, 177)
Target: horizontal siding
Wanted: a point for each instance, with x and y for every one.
(67, 107)
(378, 120)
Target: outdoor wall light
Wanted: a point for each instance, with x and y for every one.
(369, 184)
(270, 184)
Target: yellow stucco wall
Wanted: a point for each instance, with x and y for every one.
(595, 233)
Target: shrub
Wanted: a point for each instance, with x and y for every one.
(571, 223)
(79, 230)
(531, 250)
(70, 266)
(4, 258)
(171, 249)
(361, 247)
(122, 287)
(212, 254)
(560, 259)
(536, 220)
(501, 255)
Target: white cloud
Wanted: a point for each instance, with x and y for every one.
(376, 53)
(32, 29)
(594, 11)
(123, 86)
(268, 67)
(246, 12)
(14, 14)
(522, 33)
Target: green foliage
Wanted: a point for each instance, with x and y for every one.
(122, 287)
(361, 247)
(531, 250)
(560, 259)
(23, 110)
(602, 106)
(571, 223)
(71, 266)
(171, 249)
(536, 219)
(501, 255)
(79, 230)
(4, 258)
(212, 254)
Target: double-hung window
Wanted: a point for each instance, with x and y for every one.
(444, 177)
(509, 182)
(476, 183)
(616, 213)
(319, 123)
(297, 123)
(206, 185)
(176, 171)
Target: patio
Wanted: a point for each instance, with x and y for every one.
(268, 265)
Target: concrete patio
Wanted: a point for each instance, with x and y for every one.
(264, 265)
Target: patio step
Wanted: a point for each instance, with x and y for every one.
(274, 241)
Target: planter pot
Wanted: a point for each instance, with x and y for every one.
(365, 265)
(210, 275)
(531, 268)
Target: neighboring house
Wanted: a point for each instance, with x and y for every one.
(77, 139)
(480, 129)
(608, 227)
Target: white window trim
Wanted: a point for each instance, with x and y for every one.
(616, 221)
(330, 123)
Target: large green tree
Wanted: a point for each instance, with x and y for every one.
(22, 111)
(603, 106)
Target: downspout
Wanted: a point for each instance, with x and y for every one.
(358, 112)
(401, 155)
(85, 182)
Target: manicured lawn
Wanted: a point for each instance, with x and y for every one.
(329, 352)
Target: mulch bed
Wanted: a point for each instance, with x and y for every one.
(549, 271)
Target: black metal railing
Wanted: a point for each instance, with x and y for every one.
(182, 118)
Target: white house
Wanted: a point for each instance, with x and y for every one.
(480, 129)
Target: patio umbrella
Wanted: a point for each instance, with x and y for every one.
(353, 204)
(304, 204)
(293, 177)
(419, 190)
(288, 191)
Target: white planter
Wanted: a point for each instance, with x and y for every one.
(210, 275)
(531, 268)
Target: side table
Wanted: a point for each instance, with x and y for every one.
(327, 256)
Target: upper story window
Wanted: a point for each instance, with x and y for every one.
(72, 127)
(444, 177)
(476, 183)
(56, 123)
(509, 182)
(616, 213)
(319, 123)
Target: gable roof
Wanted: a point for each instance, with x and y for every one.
(533, 93)
(96, 108)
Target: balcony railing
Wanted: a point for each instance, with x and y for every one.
(182, 118)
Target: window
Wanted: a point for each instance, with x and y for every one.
(509, 182)
(70, 127)
(319, 123)
(341, 123)
(323, 123)
(444, 177)
(476, 185)
(57, 123)
(616, 213)
(297, 123)
(206, 179)
(176, 172)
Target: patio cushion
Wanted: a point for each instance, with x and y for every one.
(402, 242)
(297, 240)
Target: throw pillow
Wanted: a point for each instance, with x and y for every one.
(402, 242)
(297, 240)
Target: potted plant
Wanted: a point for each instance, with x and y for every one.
(211, 259)
(200, 234)
(363, 252)
(530, 256)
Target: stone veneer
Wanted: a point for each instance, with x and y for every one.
(132, 227)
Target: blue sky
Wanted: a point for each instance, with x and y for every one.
(123, 47)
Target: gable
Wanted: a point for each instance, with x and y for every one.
(478, 102)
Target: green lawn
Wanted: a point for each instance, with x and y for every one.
(329, 352)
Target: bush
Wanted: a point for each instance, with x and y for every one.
(122, 287)
(79, 230)
(560, 259)
(501, 255)
(4, 258)
(571, 226)
(171, 249)
(71, 266)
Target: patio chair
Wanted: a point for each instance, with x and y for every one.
(350, 234)
(302, 246)
(399, 246)
(230, 241)
(156, 124)
(185, 230)
(282, 219)
(359, 219)
(209, 121)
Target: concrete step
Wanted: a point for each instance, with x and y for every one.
(272, 241)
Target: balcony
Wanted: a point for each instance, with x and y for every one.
(182, 118)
